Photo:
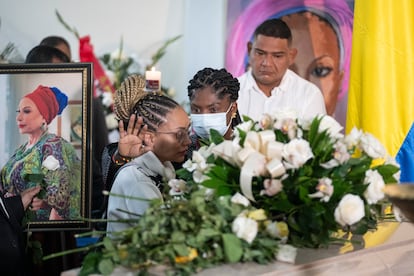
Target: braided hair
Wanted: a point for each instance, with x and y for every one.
(127, 95)
(153, 107)
(222, 82)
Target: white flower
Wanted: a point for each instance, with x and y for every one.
(350, 210)
(227, 150)
(296, 153)
(178, 187)
(107, 99)
(287, 126)
(189, 165)
(278, 230)
(111, 121)
(286, 253)
(352, 139)
(271, 187)
(266, 121)
(372, 146)
(340, 156)
(374, 191)
(324, 189)
(245, 228)
(245, 127)
(238, 198)
(199, 177)
(51, 163)
(329, 124)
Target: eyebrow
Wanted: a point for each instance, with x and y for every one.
(278, 52)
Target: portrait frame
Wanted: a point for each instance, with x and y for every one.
(74, 125)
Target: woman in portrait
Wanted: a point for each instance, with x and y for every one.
(44, 154)
(321, 32)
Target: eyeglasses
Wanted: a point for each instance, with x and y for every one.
(180, 135)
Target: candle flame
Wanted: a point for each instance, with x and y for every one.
(153, 68)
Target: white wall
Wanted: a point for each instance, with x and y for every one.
(143, 24)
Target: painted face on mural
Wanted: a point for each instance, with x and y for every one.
(318, 57)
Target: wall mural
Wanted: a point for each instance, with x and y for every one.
(321, 31)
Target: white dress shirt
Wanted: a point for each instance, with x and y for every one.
(293, 94)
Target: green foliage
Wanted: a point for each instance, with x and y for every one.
(310, 219)
(170, 232)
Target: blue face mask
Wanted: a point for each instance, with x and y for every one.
(202, 123)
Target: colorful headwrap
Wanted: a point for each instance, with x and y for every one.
(49, 100)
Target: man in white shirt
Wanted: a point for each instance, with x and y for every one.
(269, 86)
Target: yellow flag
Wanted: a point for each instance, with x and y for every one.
(381, 88)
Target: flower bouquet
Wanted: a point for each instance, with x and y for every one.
(304, 173)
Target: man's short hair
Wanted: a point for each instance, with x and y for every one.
(276, 28)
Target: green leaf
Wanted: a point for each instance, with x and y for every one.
(181, 249)
(216, 137)
(233, 249)
(106, 267)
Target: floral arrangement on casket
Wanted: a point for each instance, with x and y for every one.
(281, 183)
(305, 173)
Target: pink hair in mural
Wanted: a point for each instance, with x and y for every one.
(336, 12)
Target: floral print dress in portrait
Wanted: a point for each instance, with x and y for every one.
(62, 181)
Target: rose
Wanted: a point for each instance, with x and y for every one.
(349, 210)
(296, 153)
(374, 191)
(372, 146)
(245, 228)
(51, 163)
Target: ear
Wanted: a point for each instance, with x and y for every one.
(292, 55)
(149, 139)
(234, 108)
(249, 47)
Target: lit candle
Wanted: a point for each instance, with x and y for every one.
(153, 80)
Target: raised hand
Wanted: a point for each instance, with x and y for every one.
(131, 143)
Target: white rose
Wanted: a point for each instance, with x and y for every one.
(350, 210)
(238, 198)
(329, 124)
(286, 253)
(51, 163)
(372, 146)
(245, 228)
(296, 153)
(374, 191)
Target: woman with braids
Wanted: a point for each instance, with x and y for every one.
(213, 94)
(164, 139)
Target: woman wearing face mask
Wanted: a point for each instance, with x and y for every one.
(213, 94)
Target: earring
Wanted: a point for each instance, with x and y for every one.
(43, 126)
(234, 115)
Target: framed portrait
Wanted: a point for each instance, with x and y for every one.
(66, 187)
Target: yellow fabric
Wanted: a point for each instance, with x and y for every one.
(381, 88)
(381, 235)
